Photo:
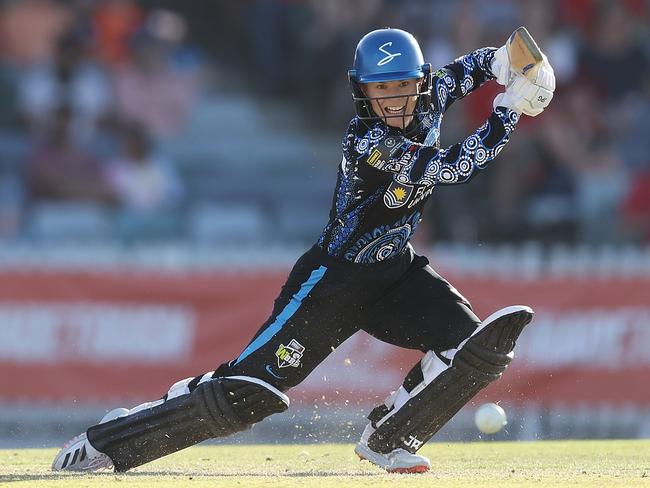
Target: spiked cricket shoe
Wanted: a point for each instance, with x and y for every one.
(397, 461)
(79, 455)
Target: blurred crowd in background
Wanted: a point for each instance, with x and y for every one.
(104, 105)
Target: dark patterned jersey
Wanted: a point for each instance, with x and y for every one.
(385, 178)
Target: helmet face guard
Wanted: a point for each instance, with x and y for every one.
(363, 103)
(389, 55)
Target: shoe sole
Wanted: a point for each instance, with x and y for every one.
(420, 468)
(411, 470)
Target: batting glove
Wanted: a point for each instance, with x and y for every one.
(529, 97)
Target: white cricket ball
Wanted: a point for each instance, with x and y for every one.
(490, 418)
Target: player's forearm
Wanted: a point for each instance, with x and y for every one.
(464, 75)
(478, 63)
(460, 162)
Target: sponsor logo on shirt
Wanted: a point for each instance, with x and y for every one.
(397, 194)
(421, 194)
(375, 159)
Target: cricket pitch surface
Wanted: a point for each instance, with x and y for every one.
(615, 463)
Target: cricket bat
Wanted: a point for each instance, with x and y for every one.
(523, 53)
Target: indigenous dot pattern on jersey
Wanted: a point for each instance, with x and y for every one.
(385, 178)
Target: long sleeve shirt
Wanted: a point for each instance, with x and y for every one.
(385, 178)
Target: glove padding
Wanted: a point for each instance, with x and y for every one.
(528, 97)
(501, 66)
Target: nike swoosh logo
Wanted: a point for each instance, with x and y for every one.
(268, 369)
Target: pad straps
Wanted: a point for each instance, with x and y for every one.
(482, 359)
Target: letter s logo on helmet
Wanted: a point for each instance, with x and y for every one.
(389, 56)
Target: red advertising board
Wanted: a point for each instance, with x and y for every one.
(128, 335)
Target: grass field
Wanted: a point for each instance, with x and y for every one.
(480, 464)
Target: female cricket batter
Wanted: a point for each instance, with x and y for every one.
(362, 274)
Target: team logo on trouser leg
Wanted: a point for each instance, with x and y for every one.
(290, 355)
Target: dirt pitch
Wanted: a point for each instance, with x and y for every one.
(481, 464)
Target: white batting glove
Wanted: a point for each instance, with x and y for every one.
(525, 96)
(501, 66)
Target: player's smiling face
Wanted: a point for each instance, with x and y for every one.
(398, 111)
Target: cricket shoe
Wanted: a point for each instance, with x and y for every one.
(397, 461)
(79, 455)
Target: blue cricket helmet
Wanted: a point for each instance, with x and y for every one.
(388, 55)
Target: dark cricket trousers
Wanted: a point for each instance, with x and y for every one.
(325, 300)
